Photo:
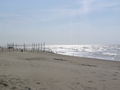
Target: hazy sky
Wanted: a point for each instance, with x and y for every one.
(60, 21)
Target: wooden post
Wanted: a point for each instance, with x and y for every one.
(41, 46)
(24, 47)
(35, 47)
(38, 47)
(44, 46)
(13, 47)
(32, 47)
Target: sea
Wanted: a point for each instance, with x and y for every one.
(106, 52)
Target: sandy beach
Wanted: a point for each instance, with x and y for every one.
(48, 71)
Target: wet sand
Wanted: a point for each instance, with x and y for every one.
(47, 71)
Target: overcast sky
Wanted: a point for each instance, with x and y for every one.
(60, 21)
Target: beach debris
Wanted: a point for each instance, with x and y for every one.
(59, 59)
(88, 65)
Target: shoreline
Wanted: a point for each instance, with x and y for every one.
(91, 58)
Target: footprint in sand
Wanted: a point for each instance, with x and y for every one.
(90, 88)
(38, 83)
(90, 81)
(114, 74)
(114, 79)
(103, 80)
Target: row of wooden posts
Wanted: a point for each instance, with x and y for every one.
(26, 47)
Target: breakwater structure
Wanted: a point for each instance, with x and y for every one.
(34, 47)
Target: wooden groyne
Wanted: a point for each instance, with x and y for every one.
(34, 47)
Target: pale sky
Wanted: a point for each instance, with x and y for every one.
(60, 21)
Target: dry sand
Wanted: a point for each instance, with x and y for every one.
(47, 71)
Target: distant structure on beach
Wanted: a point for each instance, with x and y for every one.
(35, 47)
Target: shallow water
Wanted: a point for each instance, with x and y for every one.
(107, 52)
